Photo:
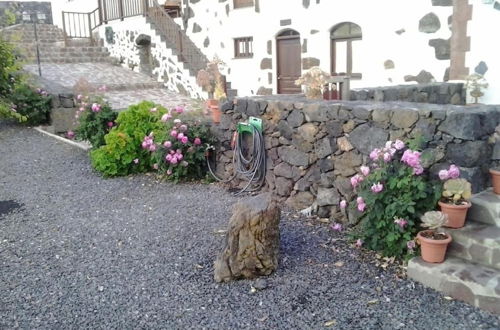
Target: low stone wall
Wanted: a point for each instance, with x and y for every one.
(314, 147)
(42, 9)
(437, 93)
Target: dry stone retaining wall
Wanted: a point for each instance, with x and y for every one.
(314, 147)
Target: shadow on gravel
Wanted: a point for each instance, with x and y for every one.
(8, 206)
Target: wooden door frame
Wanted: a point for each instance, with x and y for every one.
(278, 38)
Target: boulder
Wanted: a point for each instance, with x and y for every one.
(252, 242)
(366, 138)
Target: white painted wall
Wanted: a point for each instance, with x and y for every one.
(483, 29)
(81, 6)
(378, 19)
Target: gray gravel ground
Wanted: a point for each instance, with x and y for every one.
(84, 252)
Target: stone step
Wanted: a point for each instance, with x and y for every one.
(476, 242)
(485, 208)
(475, 284)
(72, 60)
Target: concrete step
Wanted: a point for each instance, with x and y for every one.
(475, 284)
(485, 208)
(72, 60)
(476, 242)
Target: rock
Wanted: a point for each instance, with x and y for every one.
(323, 148)
(325, 164)
(252, 242)
(345, 164)
(365, 138)
(327, 197)
(301, 144)
(300, 201)
(481, 68)
(260, 284)
(344, 144)
(429, 23)
(462, 125)
(308, 131)
(475, 177)
(442, 48)
(334, 128)
(431, 156)
(381, 115)
(296, 118)
(284, 170)
(423, 77)
(349, 126)
(496, 151)
(404, 118)
(426, 128)
(283, 186)
(293, 156)
(343, 185)
(285, 129)
(469, 154)
(316, 112)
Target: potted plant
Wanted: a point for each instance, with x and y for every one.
(220, 96)
(314, 81)
(455, 197)
(475, 83)
(433, 241)
(495, 180)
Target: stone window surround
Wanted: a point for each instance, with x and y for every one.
(237, 4)
(243, 47)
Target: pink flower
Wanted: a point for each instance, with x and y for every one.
(387, 157)
(184, 163)
(453, 172)
(82, 109)
(197, 141)
(343, 204)
(365, 170)
(168, 157)
(153, 110)
(411, 158)
(102, 88)
(361, 207)
(184, 140)
(418, 170)
(356, 180)
(110, 124)
(410, 245)
(180, 136)
(144, 145)
(359, 242)
(374, 155)
(337, 227)
(179, 109)
(392, 151)
(167, 144)
(152, 147)
(169, 172)
(444, 175)
(79, 97)
(398, 144)
(179, 156)
(401, 222)
(183, 128)
(388, 145)
(377, 187)
(173, 133)
(165, 117)
(173, 160)
(96, 107)
(70, 134)
(155, 166)
(136, 161)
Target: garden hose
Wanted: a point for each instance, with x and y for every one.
(251, 169)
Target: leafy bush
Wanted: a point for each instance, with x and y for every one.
(122, 154)
(392, 195)
(8, 68)
(95, 118)
(180, 153)
(34, 104)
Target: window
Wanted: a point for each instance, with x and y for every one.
(345, 38)
(243, 47)
(242, 3)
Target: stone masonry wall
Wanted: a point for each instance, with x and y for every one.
(314, 147)
(437, 93)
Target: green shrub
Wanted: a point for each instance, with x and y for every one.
(122, 154)
(8, 69)
(393, 193)
(95, 118)
(34, 104)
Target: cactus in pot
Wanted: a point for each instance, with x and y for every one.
(455, 198)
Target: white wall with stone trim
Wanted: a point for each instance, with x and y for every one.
(379, 21)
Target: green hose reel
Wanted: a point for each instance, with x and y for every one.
(247, 127)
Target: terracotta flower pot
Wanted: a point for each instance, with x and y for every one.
(433, 250)
(216, 113)
(212, 102)
(495, 180)
(456, 214)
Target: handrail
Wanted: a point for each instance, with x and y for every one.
(80, 25)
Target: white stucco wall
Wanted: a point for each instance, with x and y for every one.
(81, 6)
(483, 29)
(378, 19)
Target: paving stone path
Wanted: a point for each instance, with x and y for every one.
(123, 86)
(82, 252)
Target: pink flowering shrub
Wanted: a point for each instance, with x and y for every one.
(392, 193)
(179, 154)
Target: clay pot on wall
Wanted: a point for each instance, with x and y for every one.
(432, 249)
(495, 180)
(456, 213)
(215, 113)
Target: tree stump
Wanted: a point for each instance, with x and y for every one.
(252, 242)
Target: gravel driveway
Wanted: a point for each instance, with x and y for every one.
(128, 253)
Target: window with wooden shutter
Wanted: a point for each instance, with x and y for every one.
(243, 47)
(242, 3)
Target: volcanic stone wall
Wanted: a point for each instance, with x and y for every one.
(314, 147)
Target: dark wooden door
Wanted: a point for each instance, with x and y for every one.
(289, 66)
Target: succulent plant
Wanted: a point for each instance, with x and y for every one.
(457, 191)
(434, 219)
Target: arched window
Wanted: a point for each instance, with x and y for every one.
(344, 41)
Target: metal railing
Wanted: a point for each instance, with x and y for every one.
(120, 9)
(80, 25)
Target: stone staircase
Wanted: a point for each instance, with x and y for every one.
(51, 45)
(471, 271)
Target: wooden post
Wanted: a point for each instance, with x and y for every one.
(120, 9)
